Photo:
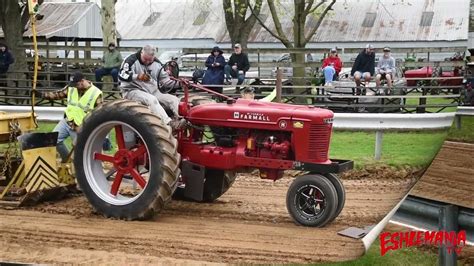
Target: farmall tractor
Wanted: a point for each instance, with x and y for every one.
(150, 163)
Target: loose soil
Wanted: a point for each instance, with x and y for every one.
(249, 224)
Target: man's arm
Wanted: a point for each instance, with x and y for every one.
(372, 65)
(231, 60)
(55, 95)
(119, 59)
(126, 71)
(355, 65)
(166, 82)
(246, 63)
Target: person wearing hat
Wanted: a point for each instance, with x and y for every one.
(364, 65)
(215, 69)
(237, 66)
(385, 69)
(248, 93)
(82, 97)
(331, 67)
(111, 64)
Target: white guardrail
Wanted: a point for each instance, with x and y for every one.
(379, 122)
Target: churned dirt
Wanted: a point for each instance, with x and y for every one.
(450, 177)
(249, 224)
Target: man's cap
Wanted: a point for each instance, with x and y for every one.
(248, 90)
(75, 78)
(333, 50)
(237, 45)
(386, 49)
(369, 46)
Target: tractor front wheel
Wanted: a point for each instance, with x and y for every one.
(137, 177)
(312, 200)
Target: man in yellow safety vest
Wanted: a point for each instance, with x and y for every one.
(82, 97)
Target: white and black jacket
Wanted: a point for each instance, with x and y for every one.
(132, 66)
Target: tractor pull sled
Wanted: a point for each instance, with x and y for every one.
(150, 163)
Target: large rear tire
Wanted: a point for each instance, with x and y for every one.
(312, 200)
(145, 154)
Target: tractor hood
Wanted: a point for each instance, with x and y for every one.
(250, 114)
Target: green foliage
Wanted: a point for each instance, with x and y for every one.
(414, 149)
(466, 133)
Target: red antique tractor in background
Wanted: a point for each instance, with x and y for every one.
(200, 162)
(453, 77)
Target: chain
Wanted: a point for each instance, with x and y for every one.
(14, 129)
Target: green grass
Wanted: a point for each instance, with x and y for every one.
(466, 133)
(416, 101)
(398, 149)
(401, 257)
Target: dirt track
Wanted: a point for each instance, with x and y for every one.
(450, 176)
(248, 224)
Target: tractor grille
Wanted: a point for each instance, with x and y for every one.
(319, 142)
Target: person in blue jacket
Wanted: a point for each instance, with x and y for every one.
(215, 70)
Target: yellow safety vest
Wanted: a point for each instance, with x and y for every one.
(77, 108)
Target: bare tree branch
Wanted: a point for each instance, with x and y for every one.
(308, 6)
(316, 7)
(320, 20)
(276, 21)
(281, 39)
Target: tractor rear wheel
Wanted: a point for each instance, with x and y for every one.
(137, 178)
(312, 200)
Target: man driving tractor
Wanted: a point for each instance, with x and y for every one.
(82, 97)
(139, 75)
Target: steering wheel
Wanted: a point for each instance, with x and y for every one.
(172, 68)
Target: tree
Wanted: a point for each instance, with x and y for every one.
(13, 29)
(302, 33)
(108, 22)
(238, 22)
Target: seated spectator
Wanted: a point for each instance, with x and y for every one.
(331, 67)
(385, 69)
(111, 65)
(364, 65)
(6, 58)
(237, 66)
(215, 69)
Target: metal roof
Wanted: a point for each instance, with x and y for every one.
(68, 21)
(161, 19)
(392, 20)
(384, 20)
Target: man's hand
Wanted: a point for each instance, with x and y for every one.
(234, 67)
(143, 77)
(217, 64)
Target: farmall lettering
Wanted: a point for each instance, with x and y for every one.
(251, 116)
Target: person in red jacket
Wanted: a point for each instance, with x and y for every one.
(332, 66)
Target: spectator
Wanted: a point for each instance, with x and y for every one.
(139, 75)
(237, 66)
(6, 58)
(385, 69)
(215, 64)
(111, 65)
(364, 65)
(332, 66)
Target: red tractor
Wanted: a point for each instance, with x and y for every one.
(151, 163)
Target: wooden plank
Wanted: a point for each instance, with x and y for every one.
(325, 50)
